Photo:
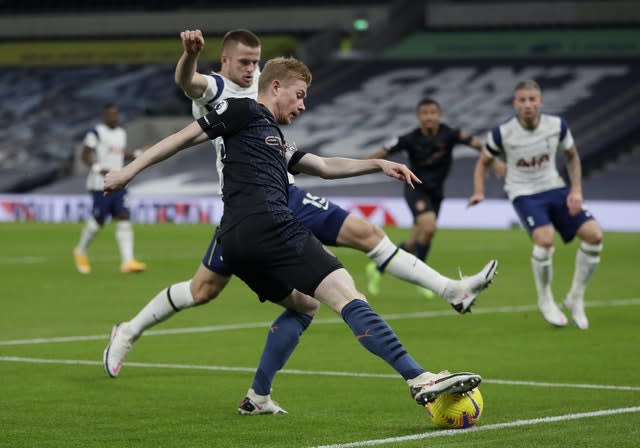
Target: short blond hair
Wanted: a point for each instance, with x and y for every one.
(528, 84)
(284, 69)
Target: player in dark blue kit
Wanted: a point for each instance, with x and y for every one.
(268, 248)
(429, 148)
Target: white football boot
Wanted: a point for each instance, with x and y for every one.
(551, 312)
(461, 294)
(576, 306)
(426, 387)
(254, 404)
(121, 342)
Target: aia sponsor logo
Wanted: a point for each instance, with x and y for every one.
(533, 162)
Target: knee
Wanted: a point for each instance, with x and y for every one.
(594, 238)
(205, 292)
(311, 307)
(542, 252)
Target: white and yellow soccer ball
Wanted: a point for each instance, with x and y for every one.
(455, 411)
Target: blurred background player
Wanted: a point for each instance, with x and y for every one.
(530, 141)
(429, 148)
(104, 150)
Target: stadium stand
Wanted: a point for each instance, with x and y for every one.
(362, 96)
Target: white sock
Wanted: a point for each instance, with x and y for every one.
(164, 305)
(89, 231)
(541, 263)
(587, 259)
(124, 237)
(406, 266)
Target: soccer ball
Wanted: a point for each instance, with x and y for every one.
(455, 411)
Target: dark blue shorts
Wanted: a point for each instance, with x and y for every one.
(322, 217)
(112, 205)
(550, 207)
(212, 259)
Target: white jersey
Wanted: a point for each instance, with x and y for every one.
(530, 154)
(109, 145)
(218, 89)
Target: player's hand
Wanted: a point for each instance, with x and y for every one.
(192, 41)
(475, 199)
(114, 180)
(574, 202)
(399, 171)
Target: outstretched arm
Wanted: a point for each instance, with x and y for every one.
(478, 178)
(186, 75)
(378, 154)
(165, 148)
(340, 167)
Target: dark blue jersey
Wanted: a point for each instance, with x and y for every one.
(255, 160)
(430, 156)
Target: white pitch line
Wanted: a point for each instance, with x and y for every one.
(253, 325)
(308, 372)
(493, 427)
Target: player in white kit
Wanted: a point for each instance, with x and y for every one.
(105, 149)
(529, 142)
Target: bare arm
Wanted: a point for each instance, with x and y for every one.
(165, 148)
(574, 169)
(379, 154)
(479, 174)
(186, 75)
(339, 167)
(499, 167)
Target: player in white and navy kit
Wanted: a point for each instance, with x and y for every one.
(529, 142)
(104, 150)
(328, 222)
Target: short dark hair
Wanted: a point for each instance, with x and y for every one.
(426, 102)
(240, 36)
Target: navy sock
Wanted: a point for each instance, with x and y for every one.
(282, 340)
(422, 250)
(378, 337)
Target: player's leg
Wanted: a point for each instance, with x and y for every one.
(210, 279)
(282, 339)
(587, 259)
(534, 215)
(91, 227)
(337, 290)
(119, 209)
(359, 234)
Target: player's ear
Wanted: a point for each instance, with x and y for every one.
(275, 86)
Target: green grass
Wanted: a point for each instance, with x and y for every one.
(74, 404)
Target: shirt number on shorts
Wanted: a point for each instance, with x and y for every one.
(316, 201)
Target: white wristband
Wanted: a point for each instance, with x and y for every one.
(96, 168)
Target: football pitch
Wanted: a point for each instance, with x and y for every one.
(183, 380)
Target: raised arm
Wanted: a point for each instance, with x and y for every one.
(479, 174)
(186, 75)
(165, 148)
(340, 167)
(574, 170)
